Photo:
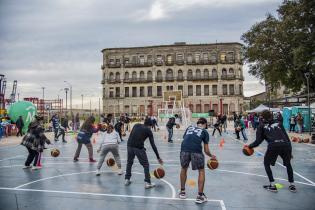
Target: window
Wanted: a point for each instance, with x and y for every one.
(141, 59)
(134, 91)
(134, 59)
(117, 77)
(126, 60)
(169, 74)
(197, 57)
(149, 90)
(206, 90)
(198, 90)
(111, 61)
(117, 90)
(180, 57)
(180, 75)
(223, 57)
(205, 57)
(141, 91)
(169, 59)
(214, 73)
(190, 90)
(159, 75)
(141, 75)
(159, 58)
(134, 75)
(198, 74)
(241, 89)
(149, 59)
(117, 61)
(169, 87)
(126, 91)
(206, 107)
(149, 75)
(159, 90)
(189, 58)
(224, 89)
(214, 90)
(231, 71)
(213, 57)
(190, 74)
(230, 57)
(111, 76)
(180, 87)
(126, 75)
(111, 94)
(198, 108)
(231, 89)
(224, 72)
(206, 73)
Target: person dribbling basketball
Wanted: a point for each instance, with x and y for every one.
(191, 151)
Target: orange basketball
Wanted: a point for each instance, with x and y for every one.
(55, 152)
(307, 140)
(159, 173)
(212, 163)
(110, 162)
(177, 126)
(300, 140)
(294, 139)
(248, 151)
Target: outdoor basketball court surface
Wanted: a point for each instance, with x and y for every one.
(236, 184)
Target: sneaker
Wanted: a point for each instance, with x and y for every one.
(127, 182)
(92, 160)
(171, 141)
(75, 159)
(98, 172)
(56, 139)
(271, 188)
(36, 167)
(26, 167)
(64, 141)
(201, 199)
(148, 185)
(120, 172)
(182, 194)
(292, 188)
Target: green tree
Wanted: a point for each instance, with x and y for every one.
(281, 49)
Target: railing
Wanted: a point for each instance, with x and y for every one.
(138, 64)
(180, 78)
(180, 62)
(159, 79)
(111, 81)
(203, 78)
(114, 65)
(158, 63)
(228, 77)
(169, 63)
(169, 78)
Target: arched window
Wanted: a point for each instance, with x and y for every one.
(149, 75)
(231, 71)
(111, 76)
(232, 108)
(189, 74)
(206, 73)
(126, 75)
(198, 73)
(224, 72)
(214, 73)
(141, 75)
(159, 75)
(134, 75)
(117, 77)
(169, 74)
(180, 74)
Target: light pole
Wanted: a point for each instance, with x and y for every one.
(43, 99)
(82, 102)
(66, 89)
(90, 107)
(70, 95)
(307, 75)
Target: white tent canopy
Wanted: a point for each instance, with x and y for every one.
(262, 108)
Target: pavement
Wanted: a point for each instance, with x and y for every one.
(236, 184)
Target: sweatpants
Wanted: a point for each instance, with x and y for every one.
(170, 134)
(32, 156)
(114, 149)
(143, 160)
(285, 152)
(89, 148)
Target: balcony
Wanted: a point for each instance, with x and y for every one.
(180, 78)
(103, 66)
(204, 78)
(114, 65)
(158, 63)
(159, 79)
(113, 81)
(169, 63)
(169, 79)
(138, 64)
(228, 77)
(103, 82)
(180, 62)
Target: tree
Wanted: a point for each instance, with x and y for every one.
(281, 49)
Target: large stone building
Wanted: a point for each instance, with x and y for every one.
(209, 75)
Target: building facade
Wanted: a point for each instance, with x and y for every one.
(209, 75)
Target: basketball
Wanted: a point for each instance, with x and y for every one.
(300, 140)
(212, 163)
(248, 151)
(307, 140)
(177, 126)
(123, 134)
(159, 173)
(55, 152)
(294, 139)
(110, 162)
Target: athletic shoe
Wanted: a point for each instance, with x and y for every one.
(92, 160)
(182, 194)
(120, 172)
(148, 185)
(127, 182)
(271, 188)
(56, 139)
(201, 199)
(292, 188)
(98, 172)
(36, 167)
(26, 167)
(171, 141)
(64, 141)
(75, 160)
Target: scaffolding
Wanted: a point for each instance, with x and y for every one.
(46, 107)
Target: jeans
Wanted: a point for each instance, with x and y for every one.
(292, 127)
(170, 133)
(113, 148)
(143, 160)
(32, 155)
(55, 132)
(244, 134)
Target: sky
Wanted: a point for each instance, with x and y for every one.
(44, 43)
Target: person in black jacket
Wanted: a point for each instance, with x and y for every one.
(169, 125)
(63, 127)
(135, 147)
(119, 126)
(278, 145)
(20, 124)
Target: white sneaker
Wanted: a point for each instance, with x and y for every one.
(148, 185)
(127, 182)
(120, 172)
(26, 167)
(98, 172)
(36, 167)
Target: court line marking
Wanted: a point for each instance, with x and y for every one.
(87, 172)
(221, 202)
(296, 173)
(10, 158)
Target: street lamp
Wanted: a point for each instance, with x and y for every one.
(43, 100)
(82, 101)
(66, 89)
(70, 94)
(307, 75)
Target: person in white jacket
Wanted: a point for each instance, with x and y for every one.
(110, 140)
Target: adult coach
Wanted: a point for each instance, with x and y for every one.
(135, 147)
(191, 151)
(278, 145)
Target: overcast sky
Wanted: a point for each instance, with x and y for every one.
(43, 43)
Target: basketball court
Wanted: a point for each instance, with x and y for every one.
(236, 184)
